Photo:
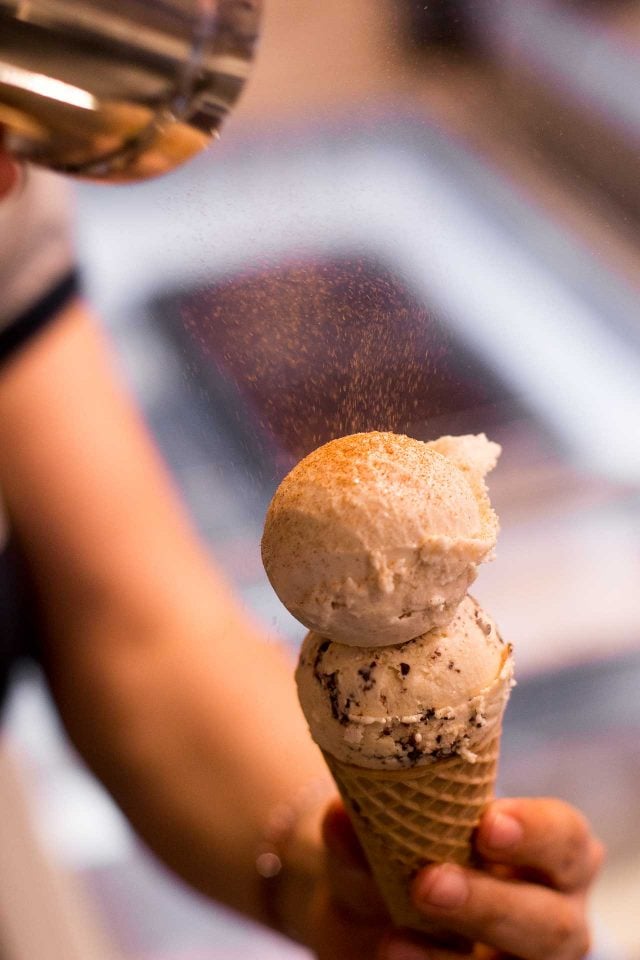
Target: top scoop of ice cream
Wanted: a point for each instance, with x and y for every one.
(408, 704)
(374, 538)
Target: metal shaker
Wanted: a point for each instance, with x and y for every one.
(120, 90)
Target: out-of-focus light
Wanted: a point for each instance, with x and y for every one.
(47, 87)
(497, 271)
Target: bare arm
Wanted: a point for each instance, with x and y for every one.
(165, 685)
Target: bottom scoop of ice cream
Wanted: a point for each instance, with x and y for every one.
(407, 704)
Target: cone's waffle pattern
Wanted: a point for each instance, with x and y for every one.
(406, 819)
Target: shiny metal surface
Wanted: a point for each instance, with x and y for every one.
(120, 90)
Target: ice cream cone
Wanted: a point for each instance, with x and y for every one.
(372, 541)
(405, 819)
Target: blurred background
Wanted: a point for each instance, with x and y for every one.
(423, 218)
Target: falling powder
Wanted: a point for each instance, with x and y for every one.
(320, 349)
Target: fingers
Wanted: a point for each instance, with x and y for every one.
(404, 947)
(348, 874)
(532, 921)
(340, 838)
(520, 919)
(545, 836)
(334, 934)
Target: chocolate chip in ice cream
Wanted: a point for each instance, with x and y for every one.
(368, 703)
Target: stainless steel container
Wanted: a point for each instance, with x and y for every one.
(120, 90)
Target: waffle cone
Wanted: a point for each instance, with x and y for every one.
(405, 819)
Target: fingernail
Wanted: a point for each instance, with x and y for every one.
(443, 886)
(402, 950)
(504, 831)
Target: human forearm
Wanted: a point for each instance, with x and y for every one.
(196, 760)
(160, 676)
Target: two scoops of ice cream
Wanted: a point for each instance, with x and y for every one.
(372, 542)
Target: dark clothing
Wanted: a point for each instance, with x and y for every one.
(37, 280)
(15, 334)
(18, 633)
(17, 610)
